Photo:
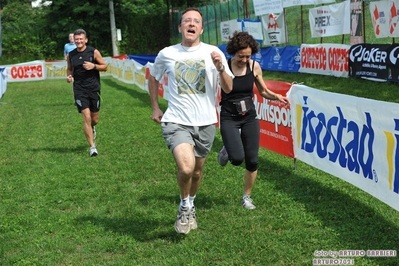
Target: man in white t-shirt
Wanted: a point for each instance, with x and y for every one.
(193, 69)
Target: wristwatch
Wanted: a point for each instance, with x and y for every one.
(221, 70)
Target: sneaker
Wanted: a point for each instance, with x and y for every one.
(93, 151)
(192, 219)
(182, 225)
(94, 132)
(223, 157)
(247, 203)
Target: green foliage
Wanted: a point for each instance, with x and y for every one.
(139, 39)
(22, 37)
(41, 33)
(145, 7)
(93, 16)
(3, 3)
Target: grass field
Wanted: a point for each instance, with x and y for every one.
(58, 206)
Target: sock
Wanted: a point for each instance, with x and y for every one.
(246, 195)
(191, 200)
(185, 203)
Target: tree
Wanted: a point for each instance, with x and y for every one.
(22, 36)
(3, 3)
(40, 33)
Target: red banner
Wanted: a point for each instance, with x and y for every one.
(275, 120)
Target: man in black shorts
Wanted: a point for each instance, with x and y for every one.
(84, 64)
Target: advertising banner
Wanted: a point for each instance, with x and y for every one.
(263, 7)
(369, 61)
(384, 16)
(227, 28)
(275, 120)
(286, 59)
(288, 3)
(325, 59)
(29, 71)
(252, 26)
(352, 138)
(330, 20)
(274, 30)
(56, 69)
(356, 26)
(3, 81)
(393, 62)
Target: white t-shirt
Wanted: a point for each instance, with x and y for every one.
(192, 83)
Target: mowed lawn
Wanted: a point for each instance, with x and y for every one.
(58, 206)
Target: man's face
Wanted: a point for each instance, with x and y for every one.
(80, 40)
(191, 26)
(71, 38)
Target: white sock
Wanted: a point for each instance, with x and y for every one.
(185, 203)
(191, 200)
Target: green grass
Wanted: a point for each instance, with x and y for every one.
(58, 206)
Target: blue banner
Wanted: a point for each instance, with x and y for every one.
(142, 59)
(285, 59)
(273, 58)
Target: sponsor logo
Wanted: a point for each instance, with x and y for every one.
(346, 143)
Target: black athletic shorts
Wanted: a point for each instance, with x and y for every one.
(87, 99)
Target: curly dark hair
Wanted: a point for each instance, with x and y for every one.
(241, 40)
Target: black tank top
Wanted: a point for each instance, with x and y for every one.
(242, 88)
(84, 79)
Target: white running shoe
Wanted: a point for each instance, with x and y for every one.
(182, 224)
(192, 220)
(247, 203)
(93, 151)
(223, 157)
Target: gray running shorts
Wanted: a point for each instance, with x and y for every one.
(201, 137)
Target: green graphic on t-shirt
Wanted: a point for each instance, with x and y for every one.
(190, 76)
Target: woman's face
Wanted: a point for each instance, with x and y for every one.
(243, 56)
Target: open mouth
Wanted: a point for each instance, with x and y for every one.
(191, 31)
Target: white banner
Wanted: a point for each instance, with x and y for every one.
(33, 70)
(330, 20)
(394, 18)
(128, 71)
(325, 59)
(263, 7)
(379, 16)
(288, 3)
(384, 15)
(253, 27)
(227, 28)
(3, 81)
(273, 29)
(352, 138)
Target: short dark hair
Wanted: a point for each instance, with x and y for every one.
(191, 9)
(241, 40)
(79, 31)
